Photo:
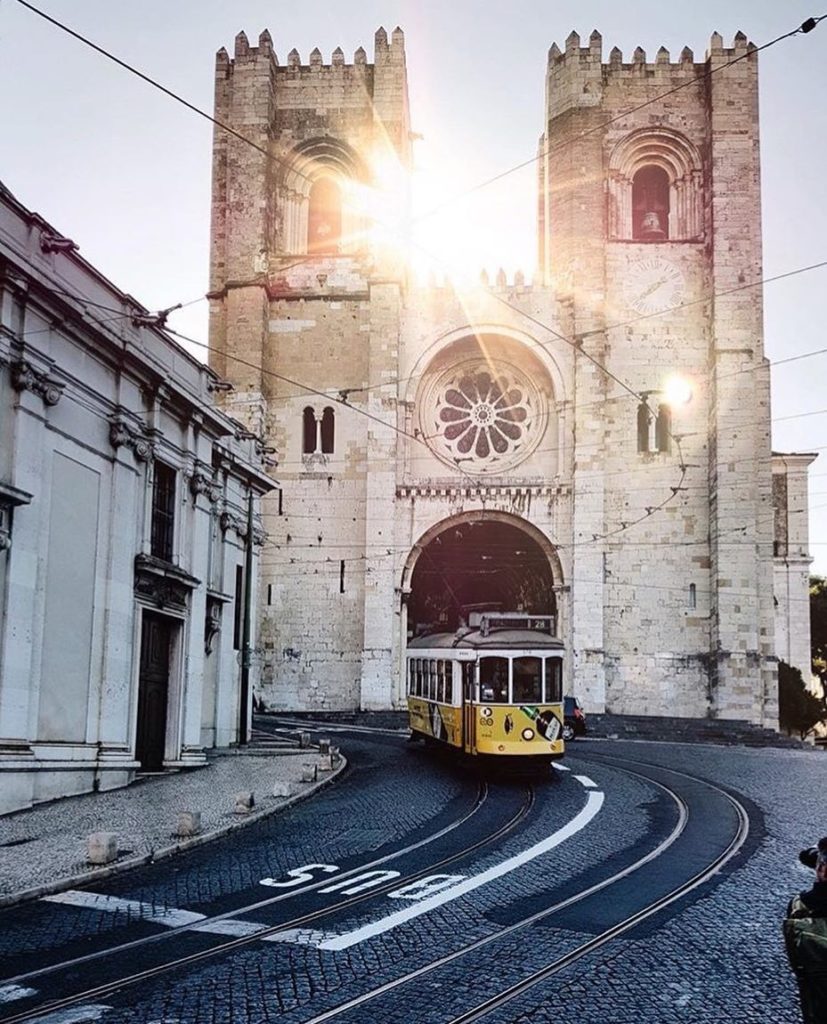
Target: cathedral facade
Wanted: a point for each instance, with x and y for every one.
(594, 444)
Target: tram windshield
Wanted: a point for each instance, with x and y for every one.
(554, 680)
(528, 680)
(494, 680)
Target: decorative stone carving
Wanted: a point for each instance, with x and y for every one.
(202, 482)
(123, 434)
(259, 536)
(25, 377)
(161, 584)
(229, 521)
(212, 624)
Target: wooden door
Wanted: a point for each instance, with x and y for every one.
(153, 691)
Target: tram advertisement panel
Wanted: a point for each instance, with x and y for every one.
(522, 729)
(441, 721)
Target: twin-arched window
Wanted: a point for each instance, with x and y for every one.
(654, 428)
(317, 431)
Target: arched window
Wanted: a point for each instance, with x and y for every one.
(650, 204)
(324, 217)
(308, 431)
(327, 431)
(656, 188)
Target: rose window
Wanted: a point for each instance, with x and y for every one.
(482, 416)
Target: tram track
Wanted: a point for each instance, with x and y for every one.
(111, 987)
(629, 922)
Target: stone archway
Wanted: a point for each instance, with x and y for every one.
(479, 559)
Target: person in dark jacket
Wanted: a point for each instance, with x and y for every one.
(805, 937)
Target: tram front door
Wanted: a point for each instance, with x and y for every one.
(469, 718)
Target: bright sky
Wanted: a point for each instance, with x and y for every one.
(125, 171)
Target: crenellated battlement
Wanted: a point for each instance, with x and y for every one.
(575, 57)
(386, 51)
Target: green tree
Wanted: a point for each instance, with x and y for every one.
(799, 710)
(818, 628)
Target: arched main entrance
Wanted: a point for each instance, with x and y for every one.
(479, 560)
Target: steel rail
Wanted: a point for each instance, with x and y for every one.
(735, 844)
(558, 965)
(680, 825)
(109, 988)
(160, 937)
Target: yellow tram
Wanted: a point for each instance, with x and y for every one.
(493, 688)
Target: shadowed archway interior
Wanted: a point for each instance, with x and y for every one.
(478, 565)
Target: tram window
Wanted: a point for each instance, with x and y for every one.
(554, 680)
(440, 681)
(419, 690)
(434, 681)
(494, 680)
(449, 682)
(468, 679)
(528, 681)
(410, 679)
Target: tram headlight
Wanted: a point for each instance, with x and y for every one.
(486, 712)
(527, 734)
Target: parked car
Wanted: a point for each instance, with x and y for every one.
(574, 718)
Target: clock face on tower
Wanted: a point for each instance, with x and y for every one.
(653, 285)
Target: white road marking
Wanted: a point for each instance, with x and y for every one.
(9, 993)
(594, 802)
(424, 887)
(365, 881)
(171, 917)
(559, 767)
(75, 1014)
(232, 927)
(301, 936)
(298, 875)
(585, 781)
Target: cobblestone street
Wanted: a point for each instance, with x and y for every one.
(324, 910)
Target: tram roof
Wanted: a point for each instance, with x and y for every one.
(495, 639)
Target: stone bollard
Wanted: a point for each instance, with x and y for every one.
(283, 789)
(244, 803)
(102, 848)
(324, 746)
(335, 755)
(309, 773)
(304, 740)
(189, 824)
(325, 763)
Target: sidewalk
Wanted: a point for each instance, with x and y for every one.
(43, 849)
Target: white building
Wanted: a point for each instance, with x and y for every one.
(124, 501)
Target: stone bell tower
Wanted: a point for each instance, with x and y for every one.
(305, 289)
(650, 223)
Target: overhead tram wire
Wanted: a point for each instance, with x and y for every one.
(650, 510)
(157, 85)
(806, 26)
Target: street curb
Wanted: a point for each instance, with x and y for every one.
(98, 874)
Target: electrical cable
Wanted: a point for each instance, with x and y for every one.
(807, 26)
(157, 85)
